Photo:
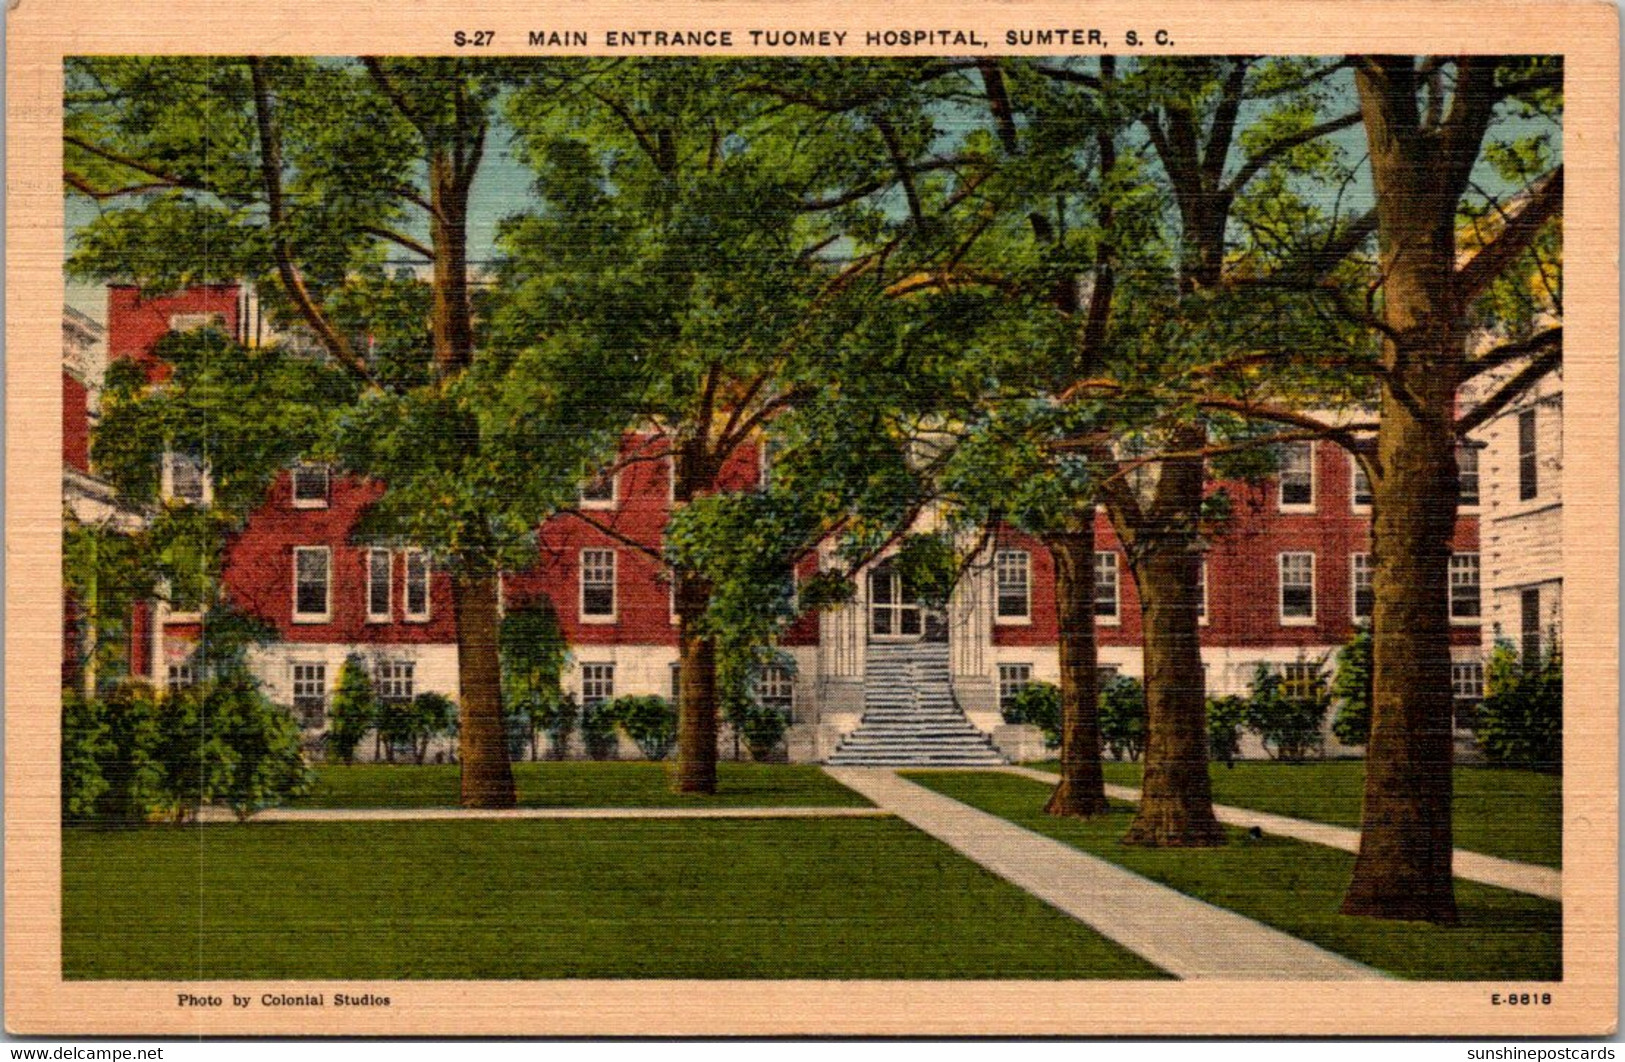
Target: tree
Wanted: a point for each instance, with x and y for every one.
(1287, 720)
(1351, 685)
(533, 656)
(1520, 723)
(301, 176)
(1426, 122)
(354, 711)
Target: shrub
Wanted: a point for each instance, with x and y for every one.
(354, 710)
(1520, 723)
(1038, 704)
(1352, 687)
(762, 726)
(433, 715)
(1122, 717)
(648, 720)
(261, 765)
(557, 718)
(598, 730)
(1289, 727)
(86, 745)
(130, 764)
(193, 757)
(533, 653)
(1225, 718)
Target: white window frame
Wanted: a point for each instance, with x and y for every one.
(1355, 565)
(295, 682)
(393, 672)
(167, 486)
(1307, 672)
(310, 503)
(1467, 673)
(1478, 477)
(1355, 472)
(1116, 618)
(1314, 486)
(770, 676)
(191, 322)
(389, 586)
(1478, 569)
(326, 615)
(607, 674)
(1000, 559)
(603, 504)
(180, 676)
(581, 590)
(1202, 618)
(1281, 586)
(1010, 684)
(419, 615)
(170, 613)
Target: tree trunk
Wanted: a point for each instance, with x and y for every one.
(486, 774)
(1176, 804)
(451, 318)
(1403, 870)
(697, 690)
(1082, 789)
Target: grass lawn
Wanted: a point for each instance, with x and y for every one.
(1499, 811)
(851, 898)
(574, 784)
(1297, 887)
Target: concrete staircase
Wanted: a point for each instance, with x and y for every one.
(910, 718)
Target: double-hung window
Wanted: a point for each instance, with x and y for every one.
(1013, 578)
(310, 693)
(598, 585)
(310, 485)
(379, 568)
(417, 586)
(597, 683)
(1464, 592)
(1013, 678)
(1107, 605)
(396, 680)
(1360, 584)
(1297, 483)
(1528, 457)
(1297, 589)
(312, 584)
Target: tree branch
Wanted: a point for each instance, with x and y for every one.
(1510, 352)
(394, 237)
(1510, 391)
(1266, 155)
(1545, 203)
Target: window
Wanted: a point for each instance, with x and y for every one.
(1297, 589)
(1464, 604)
(1529, 624)
(395, 680)
(1106, 587)
(185, 601)
(310, 693)
(1012, 575)
(310, 487)
(1012, 679)
(1467, 473)
(1298, 476)
(378, 586)
(1528, 458)
(598, 585)
(775, 688)
(600, 493)
(185, 479)
(1361, 591)
(417, 585)
(1201, 593)
(676, 683)
(189, 322)
(1467, 684)
(1361, 493)
(181, 676)
(1301, 681)
(312, 584)
(597, 683)
(1106, 674)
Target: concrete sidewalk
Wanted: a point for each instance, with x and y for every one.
(1186, 937)
(214, 814)
(1473, 866)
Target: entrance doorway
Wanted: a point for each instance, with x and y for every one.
(895, 611)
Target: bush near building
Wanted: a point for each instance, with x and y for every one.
(1288, 721)
(1038, 704)
(354, 711)
(648, 720)
(1122, 717)
(1520, 723)
(1225, 718)
(1352, 687)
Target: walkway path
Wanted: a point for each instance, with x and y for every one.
(1184, 936)
(1539, 881)
(213, 814)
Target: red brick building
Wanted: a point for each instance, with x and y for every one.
(1285, 585)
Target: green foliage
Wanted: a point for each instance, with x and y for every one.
(648, 720)
(354, 710)
(407, 726)
(739, 670)
(1520, 723)
(262, 762)
(1122, 717)
(86, 745)
(598, 730)
(131, 767)
(1289, 726)
(763, 727)
(1352, 687)
(1038, 703)
(557, 718)
(1225, 718)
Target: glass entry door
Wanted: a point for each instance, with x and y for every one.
(894, 614)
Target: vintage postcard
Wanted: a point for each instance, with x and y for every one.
(812, 519)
